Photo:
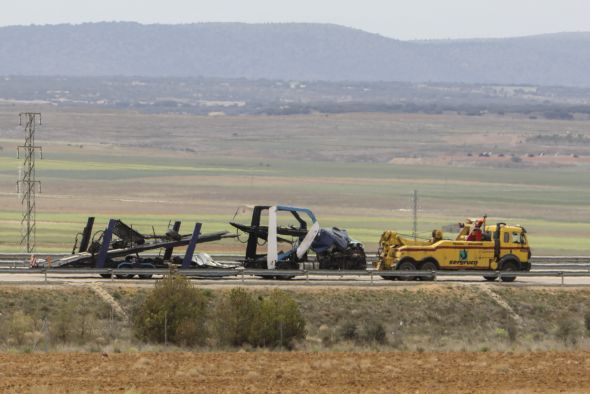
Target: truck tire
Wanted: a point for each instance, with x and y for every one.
(124, 276)
(490, 278)
(508, 267)
(428, 265)
(407, 265)
(147, 266)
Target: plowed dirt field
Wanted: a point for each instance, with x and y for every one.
(296, 372)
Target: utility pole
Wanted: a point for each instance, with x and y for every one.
(27, 184)
(415, 214)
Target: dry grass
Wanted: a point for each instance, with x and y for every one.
(415, 318)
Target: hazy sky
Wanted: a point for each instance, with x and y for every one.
(406, 19)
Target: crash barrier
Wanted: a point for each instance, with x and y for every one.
(545, 262)
(303, 275)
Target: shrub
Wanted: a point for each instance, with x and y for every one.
(235, 317)
(501, 333)
(375, 332)
(587, 321)
(19, 325)
(189, 332)
(73, 323)
(326, 335)
(62, 323)
(279, 321)
(512, 330)
(568, 331)
(85, 325)
(349, 331)
(174, 310)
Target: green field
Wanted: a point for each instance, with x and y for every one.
(151, 184)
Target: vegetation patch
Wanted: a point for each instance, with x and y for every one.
(177, 313)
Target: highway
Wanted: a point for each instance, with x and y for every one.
(546, 271)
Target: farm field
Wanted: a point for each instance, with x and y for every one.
(455, 372)
(355, 171)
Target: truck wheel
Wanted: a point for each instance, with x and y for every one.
(508, 267)
(407, 265)
(147, 266)
(124, 276)
(428, 266)
(490, 278)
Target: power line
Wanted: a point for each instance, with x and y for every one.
(27, 183)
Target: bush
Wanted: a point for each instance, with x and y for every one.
(61, 325)
(19, 325)
(501, 333)
(326, 335)
(349, 331)
(73, 322)
(568, 330)
(174, 310)
(236, 314)
(587, 321)
(279, 321)
(375, 332)
(240, 317)
(512, 329)
(85, 326)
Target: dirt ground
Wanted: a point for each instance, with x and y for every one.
(296, 372)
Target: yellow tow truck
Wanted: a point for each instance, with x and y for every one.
(499, 247)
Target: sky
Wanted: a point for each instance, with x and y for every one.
(406, 20)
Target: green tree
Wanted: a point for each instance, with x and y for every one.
(235, 318)
(279, 321)
(174, 311)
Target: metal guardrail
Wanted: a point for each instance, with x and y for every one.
(23, 258)
(241, 273)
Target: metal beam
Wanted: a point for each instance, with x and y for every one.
(86, 234)
(106, 242)
(168, 251)
(190, 250)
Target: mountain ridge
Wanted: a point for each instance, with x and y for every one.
(288, 51)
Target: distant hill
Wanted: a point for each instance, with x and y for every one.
(288, 52)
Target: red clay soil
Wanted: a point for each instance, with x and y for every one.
(296, 372)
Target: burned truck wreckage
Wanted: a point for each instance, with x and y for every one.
(333, 247)
(120, 246)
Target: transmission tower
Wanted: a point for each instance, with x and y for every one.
(27, 184)
(415, 214)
